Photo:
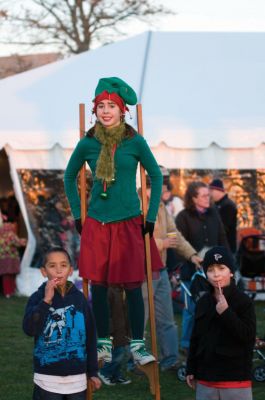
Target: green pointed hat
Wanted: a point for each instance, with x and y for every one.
(117, 85)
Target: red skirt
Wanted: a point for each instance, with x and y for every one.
(114, 253)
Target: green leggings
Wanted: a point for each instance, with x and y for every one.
(135, 310)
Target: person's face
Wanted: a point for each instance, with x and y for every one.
(216, 195)
(108, 113)
(166, 194)
(202, 200)
(219, 275)
(59, 206)
(57, 267)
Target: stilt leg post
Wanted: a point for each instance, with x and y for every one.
(83, 201)
(152, 373)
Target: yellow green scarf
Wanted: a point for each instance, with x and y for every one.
(105, 169)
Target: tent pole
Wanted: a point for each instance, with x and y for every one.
(155, 372)
(83, 200)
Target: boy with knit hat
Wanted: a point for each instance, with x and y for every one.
(223, 337)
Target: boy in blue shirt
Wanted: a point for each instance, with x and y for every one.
(61, 321)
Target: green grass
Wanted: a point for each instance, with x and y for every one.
(16, 363)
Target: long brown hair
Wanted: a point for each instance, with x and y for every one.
(192, 191)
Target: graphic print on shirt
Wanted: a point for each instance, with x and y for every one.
(63, 338)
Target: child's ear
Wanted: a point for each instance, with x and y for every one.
(43, 272)
(71, 271)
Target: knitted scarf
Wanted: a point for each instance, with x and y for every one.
(105, 169)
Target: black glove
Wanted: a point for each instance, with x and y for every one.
(148, 228)
(78, 225)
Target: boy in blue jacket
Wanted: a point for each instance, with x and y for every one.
(61, 321)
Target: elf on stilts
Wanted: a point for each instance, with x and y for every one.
(112, 246)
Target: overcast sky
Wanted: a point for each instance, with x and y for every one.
(232, 15)
(200, 15)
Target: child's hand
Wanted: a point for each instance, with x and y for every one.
(221, 305)
(191, 381)
(95, 382)
(49, 290)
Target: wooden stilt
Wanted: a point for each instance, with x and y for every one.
(151, 370)
(83, 200)
(148, 370)
(82, 174)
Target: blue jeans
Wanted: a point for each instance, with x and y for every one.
(187, 317)
(120, 355)
(166, 328)
(41, 394)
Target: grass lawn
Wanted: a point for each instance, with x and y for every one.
(16, 363)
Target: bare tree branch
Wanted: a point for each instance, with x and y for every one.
(72, 25)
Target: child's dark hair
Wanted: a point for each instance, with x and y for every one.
(55, 250)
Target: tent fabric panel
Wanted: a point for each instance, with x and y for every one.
(41, 106)
(196, 88)
(55, 158)
(203, 87)
(213, 157)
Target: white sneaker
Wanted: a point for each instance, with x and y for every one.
(106, 379)
(122, 380)
(139, 353)
(104, 349)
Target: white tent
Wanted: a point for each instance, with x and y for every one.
(203, 97)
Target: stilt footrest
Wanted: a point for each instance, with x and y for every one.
(149, 371)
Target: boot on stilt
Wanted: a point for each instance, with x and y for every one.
(139, 352)
(104, 349)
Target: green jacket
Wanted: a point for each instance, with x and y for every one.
(123, 201)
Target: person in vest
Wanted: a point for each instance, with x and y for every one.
(167, 237)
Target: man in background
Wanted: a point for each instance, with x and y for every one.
(227, 210)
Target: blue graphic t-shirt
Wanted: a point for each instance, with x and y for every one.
(65, 336)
